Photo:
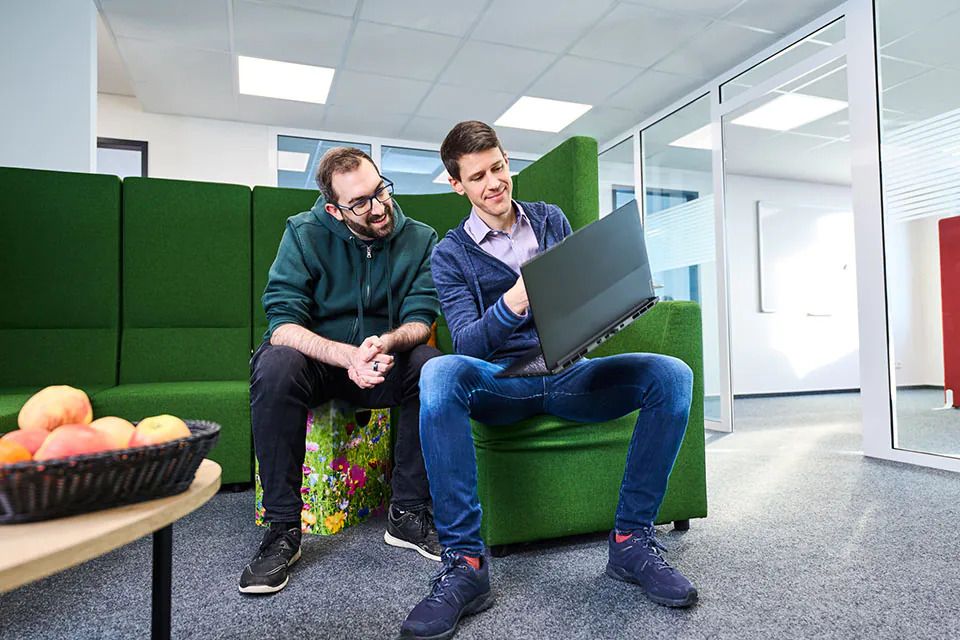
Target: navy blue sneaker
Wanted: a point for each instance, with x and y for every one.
(457, 590)
(637, 559)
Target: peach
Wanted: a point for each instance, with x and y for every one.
(72, 440)
(11, 452)
(31, 439)
(54, 406)
(117, 430)
(158, 429)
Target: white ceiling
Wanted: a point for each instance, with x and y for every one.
(412, 69)
(920, 80)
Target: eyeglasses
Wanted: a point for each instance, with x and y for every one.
(365, 206)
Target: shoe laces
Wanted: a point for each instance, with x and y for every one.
(441, 578)
(272, 543)
(646, 538)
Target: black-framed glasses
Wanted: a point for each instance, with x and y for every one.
(365, 206)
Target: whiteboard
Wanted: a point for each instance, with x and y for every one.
(806, 259)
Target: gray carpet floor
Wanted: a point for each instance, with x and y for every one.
(806, 539)
(921, 428)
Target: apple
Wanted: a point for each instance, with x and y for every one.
(159, 429)
(51, 407)
(31, 439)
(117, 430)
(72, 440)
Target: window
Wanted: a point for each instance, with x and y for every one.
(122, 158)
(298, 159)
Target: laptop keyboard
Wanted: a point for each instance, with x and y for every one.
(536, 366)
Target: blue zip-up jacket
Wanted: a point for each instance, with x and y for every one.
(471, 283)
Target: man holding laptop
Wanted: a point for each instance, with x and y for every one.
(476, 269)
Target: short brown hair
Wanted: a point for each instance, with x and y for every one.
(338, 160)
(467, 137)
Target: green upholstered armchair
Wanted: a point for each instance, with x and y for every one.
(546, 477)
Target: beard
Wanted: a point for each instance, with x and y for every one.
(366, 230)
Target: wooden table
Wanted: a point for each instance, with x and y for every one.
(36, 550)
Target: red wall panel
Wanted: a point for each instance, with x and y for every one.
(950, 291)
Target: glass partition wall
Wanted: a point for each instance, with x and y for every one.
(677, 169)
(919, 95)
(681, 159)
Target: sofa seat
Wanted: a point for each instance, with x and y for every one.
(226, 403)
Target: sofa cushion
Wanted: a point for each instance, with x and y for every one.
(60, 277)
(186, 281)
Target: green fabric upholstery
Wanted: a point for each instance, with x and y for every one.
(568, 177)
(186, 279)
(226, 403)
(271, 208)
(60, 276)
(546, 477)
(442, 211)
(187, 314)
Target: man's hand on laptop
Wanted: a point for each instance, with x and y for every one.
(369, 365)
(516, 298)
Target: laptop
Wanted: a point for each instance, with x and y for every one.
(584, 290)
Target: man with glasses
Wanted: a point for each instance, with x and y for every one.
(350, 301)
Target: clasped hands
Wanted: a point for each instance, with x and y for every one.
(370, 363)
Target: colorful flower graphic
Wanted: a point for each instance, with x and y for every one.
(335, 522)
(313, 447)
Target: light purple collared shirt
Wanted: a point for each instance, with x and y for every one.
(512, 248)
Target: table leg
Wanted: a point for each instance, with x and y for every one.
(162, 578)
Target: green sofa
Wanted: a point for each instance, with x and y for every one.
(147, 296)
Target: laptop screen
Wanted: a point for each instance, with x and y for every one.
(581, 287)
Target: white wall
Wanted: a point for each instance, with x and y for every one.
(782, 352)
(49, 84)
(192, 148)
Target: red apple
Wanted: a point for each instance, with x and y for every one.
(51, 407)
(117, 430)
(31, 439)
(159, 429)
(72, 440)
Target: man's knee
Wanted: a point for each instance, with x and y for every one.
(442, 379)
(421, 354)
(277, 366)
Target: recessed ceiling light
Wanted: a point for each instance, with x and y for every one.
(284, 80)
(292, 161)
(789, 111)
(540, 114)
(699, 139)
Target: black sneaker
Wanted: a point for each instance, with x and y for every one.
(413, 530)
(267, 572)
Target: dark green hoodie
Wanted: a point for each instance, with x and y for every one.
(331, 282)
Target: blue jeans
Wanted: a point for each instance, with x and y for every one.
(455, 388)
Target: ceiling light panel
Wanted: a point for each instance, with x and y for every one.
(284, 80)
(540, 114)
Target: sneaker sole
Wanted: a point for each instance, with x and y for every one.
(263, 589)
(619, 574)
(393, 541)
(480, 603)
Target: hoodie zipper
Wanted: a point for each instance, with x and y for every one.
(369, 268)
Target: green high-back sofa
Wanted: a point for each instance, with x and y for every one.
(147, 296)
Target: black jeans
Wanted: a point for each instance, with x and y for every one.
(285, 384)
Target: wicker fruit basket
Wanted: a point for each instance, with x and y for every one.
(33, 491)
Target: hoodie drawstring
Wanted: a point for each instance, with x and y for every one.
(359, 279)
(386, 252)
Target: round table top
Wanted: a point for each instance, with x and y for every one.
(36, 550)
